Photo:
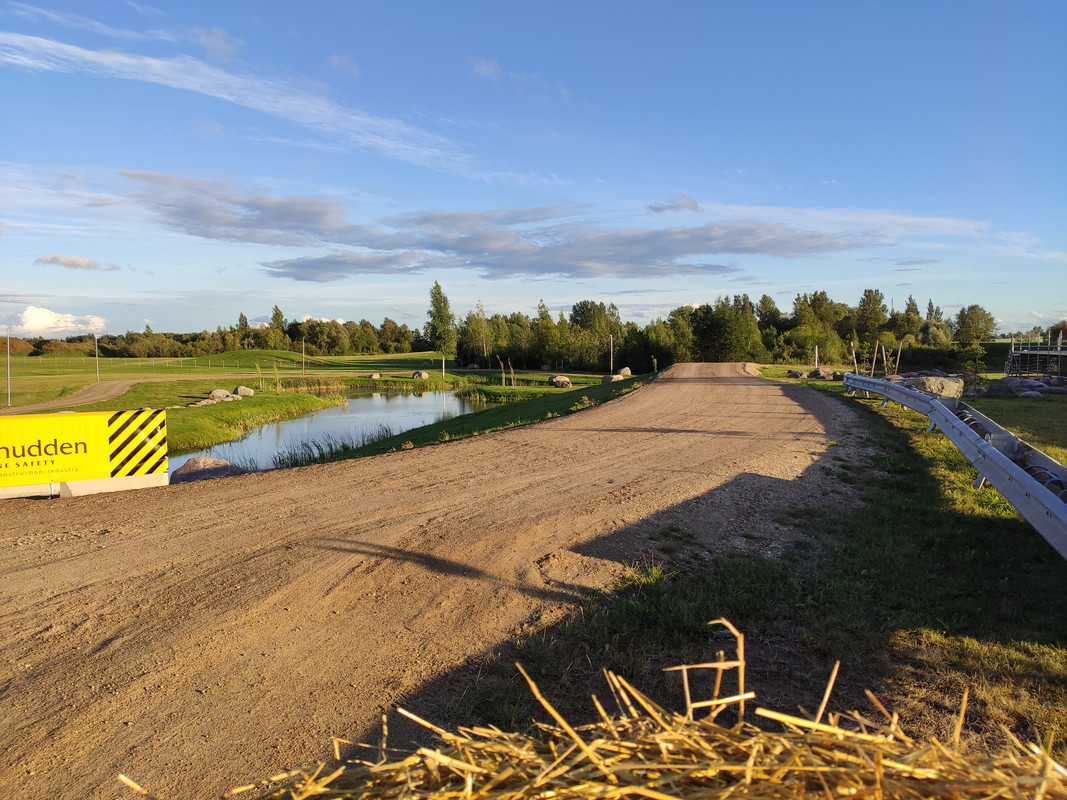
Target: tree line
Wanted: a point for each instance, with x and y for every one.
(593, 336)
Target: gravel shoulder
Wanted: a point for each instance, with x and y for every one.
(204, 635)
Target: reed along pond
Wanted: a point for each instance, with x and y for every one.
(367, 417)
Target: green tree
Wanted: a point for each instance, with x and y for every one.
(768, 314)
(440, 328)
(1056, 331)
(277, 319)
(544, 335)
(728, 331)
(870, 315)
(974, 324)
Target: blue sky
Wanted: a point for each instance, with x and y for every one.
(177, 164)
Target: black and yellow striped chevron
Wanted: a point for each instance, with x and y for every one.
(138, 442)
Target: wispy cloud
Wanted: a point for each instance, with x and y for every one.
(280, 98)
(534, 241)
(344, 64)
(678, 202)
(887, 223)
(527, 85)
(75, 21)
(1023, 245)
(915, 262)
(76, 262)
(217, 43)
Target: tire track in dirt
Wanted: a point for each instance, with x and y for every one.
(204, 635)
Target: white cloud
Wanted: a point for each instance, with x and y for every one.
(344, 64)
(887, 223)
(75, 262)
(37, 321)
(487, 68)
(678, 202)
(217, 43)
(527, 85)
(29, 12)
(498, 243)
(389, 138)
(1023, 245)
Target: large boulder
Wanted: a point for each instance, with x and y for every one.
(796, 373)
(374, 376)
(421, 375)
(1001, 391)
(560, 382)
(943, 387)
(1031, 395)
(625, 372)
(218, 394)
(243, 391)
(202, 468)
(611, 378)
(822, 374)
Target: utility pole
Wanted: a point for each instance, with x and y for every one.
(96, 345)
(9, 366)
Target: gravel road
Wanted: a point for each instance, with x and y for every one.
(204, 635)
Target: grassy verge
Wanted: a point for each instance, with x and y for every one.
(1041, 423)
(929, 588)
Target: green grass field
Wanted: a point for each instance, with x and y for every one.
(38, 379)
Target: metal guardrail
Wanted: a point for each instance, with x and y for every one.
(1027, 478)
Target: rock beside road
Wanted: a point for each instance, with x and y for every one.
(560, 382)
(202, 468)
(943, 387)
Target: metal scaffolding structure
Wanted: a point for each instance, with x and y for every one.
(1035, 358)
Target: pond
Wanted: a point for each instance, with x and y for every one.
(367, 415)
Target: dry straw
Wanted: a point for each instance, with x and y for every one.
(646, 751)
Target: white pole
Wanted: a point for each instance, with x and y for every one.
(96, 344)
(9, 367)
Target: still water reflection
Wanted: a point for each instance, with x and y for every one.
(367, 413)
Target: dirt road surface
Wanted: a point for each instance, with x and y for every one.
(205, 635)
(93, 393)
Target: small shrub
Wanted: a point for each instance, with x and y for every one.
(585, 402)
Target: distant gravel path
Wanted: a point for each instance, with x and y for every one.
(203, 635)
(93, 393)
